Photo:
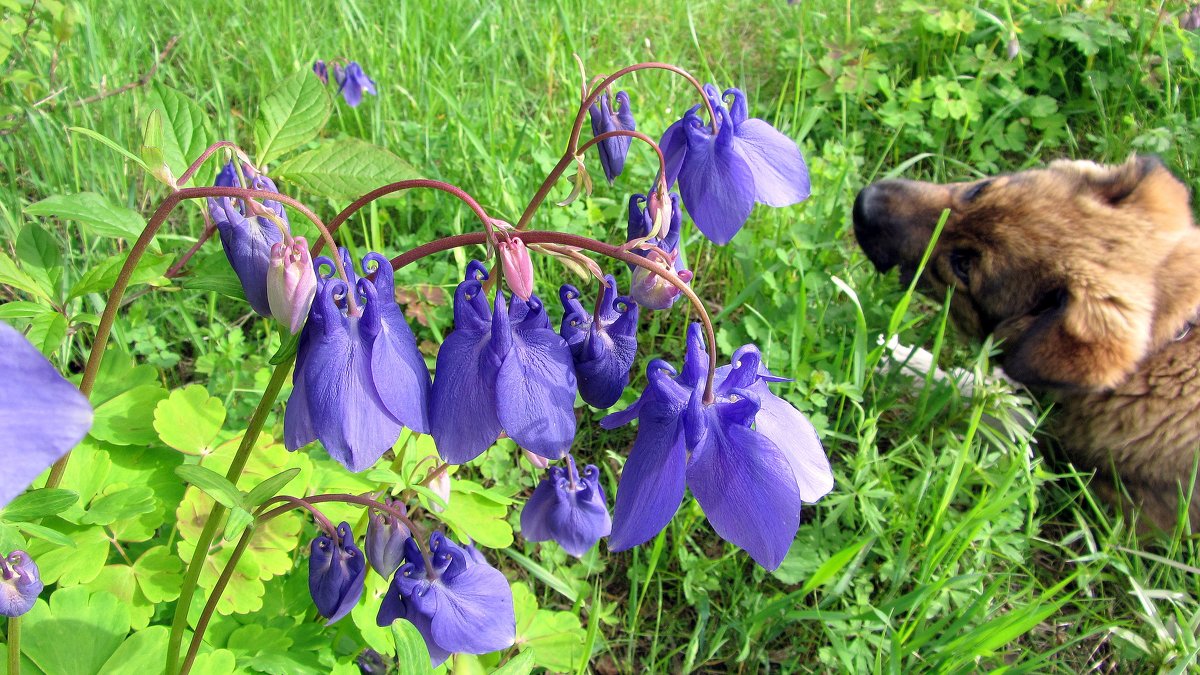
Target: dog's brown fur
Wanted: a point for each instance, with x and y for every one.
(1090, 277)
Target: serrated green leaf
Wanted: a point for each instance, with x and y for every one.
(211, 483)
(189, 419)
(38, 504)
(47, 332)
(40, 256)
(102, 275)
(270, 487)
(15, 277)
(119, 505)
(186, 130)
(344, 169)
(98, 213)
(291, 116)
(128, 418)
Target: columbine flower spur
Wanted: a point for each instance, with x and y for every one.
(568, 508)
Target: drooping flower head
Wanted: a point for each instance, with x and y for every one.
(359, 376)
(20, 584)
(722, 175)
(459, 603)
(568, 508)
(353, 83)
(42, 415)
(603, 346)
(605, 117)
(321, 70)
(248, 240)
(336, 572)
(502, 368)
(647, 288)
(748, 456)
(385, 538)
(291, 282)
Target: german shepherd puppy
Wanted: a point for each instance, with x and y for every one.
(1089, 276)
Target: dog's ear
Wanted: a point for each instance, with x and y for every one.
(1141, 185)
(1093, 341)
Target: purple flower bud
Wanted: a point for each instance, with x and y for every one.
(291, 283)
(353, 83)
(459, 603)
(518, 268)
(20, 584)
(248, 240)
(321, 70)
(648, 289)
(604, 345)
(1190, 20)
(336, 572)
(385, 539)
(568, 508)
(604, 119)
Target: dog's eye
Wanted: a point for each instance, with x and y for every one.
(960, 264)
(976, 190)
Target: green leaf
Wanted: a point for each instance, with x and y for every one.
(239, 520)
(211, 483)
(37, 504)
(110, 143)
(14, 277)
(411, 654)
(189, 419)
(76, 632)
(69, 566)
(185, 128)
(213, 273)
(98, 213)
(128, 418)
(22, 309)
(103, 275)
(47, 332)
(120, 505)
(521, 664)
(270, 487)
(344, 169)
(40, 256)
(555, 639)
(152, 153)
(143, 652)
(474, 516)
(159, 574)
(544, 575)
(291, 116)
(45, 533)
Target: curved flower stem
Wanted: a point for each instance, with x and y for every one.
(14, 645)
(348, 499)
(406, 185)
(192, 576)
(297, 503)
(208, 152)
(662, 161)
(541, 237)
(104, 329)
(211, 606)
(577, 128)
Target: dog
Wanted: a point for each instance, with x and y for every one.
(1088, 275)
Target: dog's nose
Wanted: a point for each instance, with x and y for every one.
(872, 229)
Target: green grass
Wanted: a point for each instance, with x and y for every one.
(945, 546)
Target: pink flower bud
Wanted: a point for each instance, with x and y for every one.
(291, 283)
(535, 459)
(441, 487)
(518, 268)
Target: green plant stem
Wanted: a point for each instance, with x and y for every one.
(192, 576)
(14, 645)
(211, 606)
(104, 329)
(586, 243)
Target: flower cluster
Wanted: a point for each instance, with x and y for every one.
(351, 81)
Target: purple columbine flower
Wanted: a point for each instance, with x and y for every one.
(501, 369)
(353, 83)
(604, 119)
(42, 415)
(20, 584)
(248, 240)
(359, 376)
(459, 604)
(321, 70)
(568, 508)
(603, 346)
(749, 456)
(336, 572)
(722, 175)
(648, 289)
(385, 539)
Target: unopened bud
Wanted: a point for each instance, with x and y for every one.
(652, 291)
(291, 283)
(441, 487)
(385, 539)
(518, 268)
(536, 459)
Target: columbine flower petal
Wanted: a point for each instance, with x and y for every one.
(462, 605)
(567, 508)
(20, 584)
(397, 367)
(42, 415)
(336, 572)
(715, 182)
(353, 83)
(603, 351)
(605, 119)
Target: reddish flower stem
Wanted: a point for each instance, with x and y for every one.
(540, 237)
(406, 185)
